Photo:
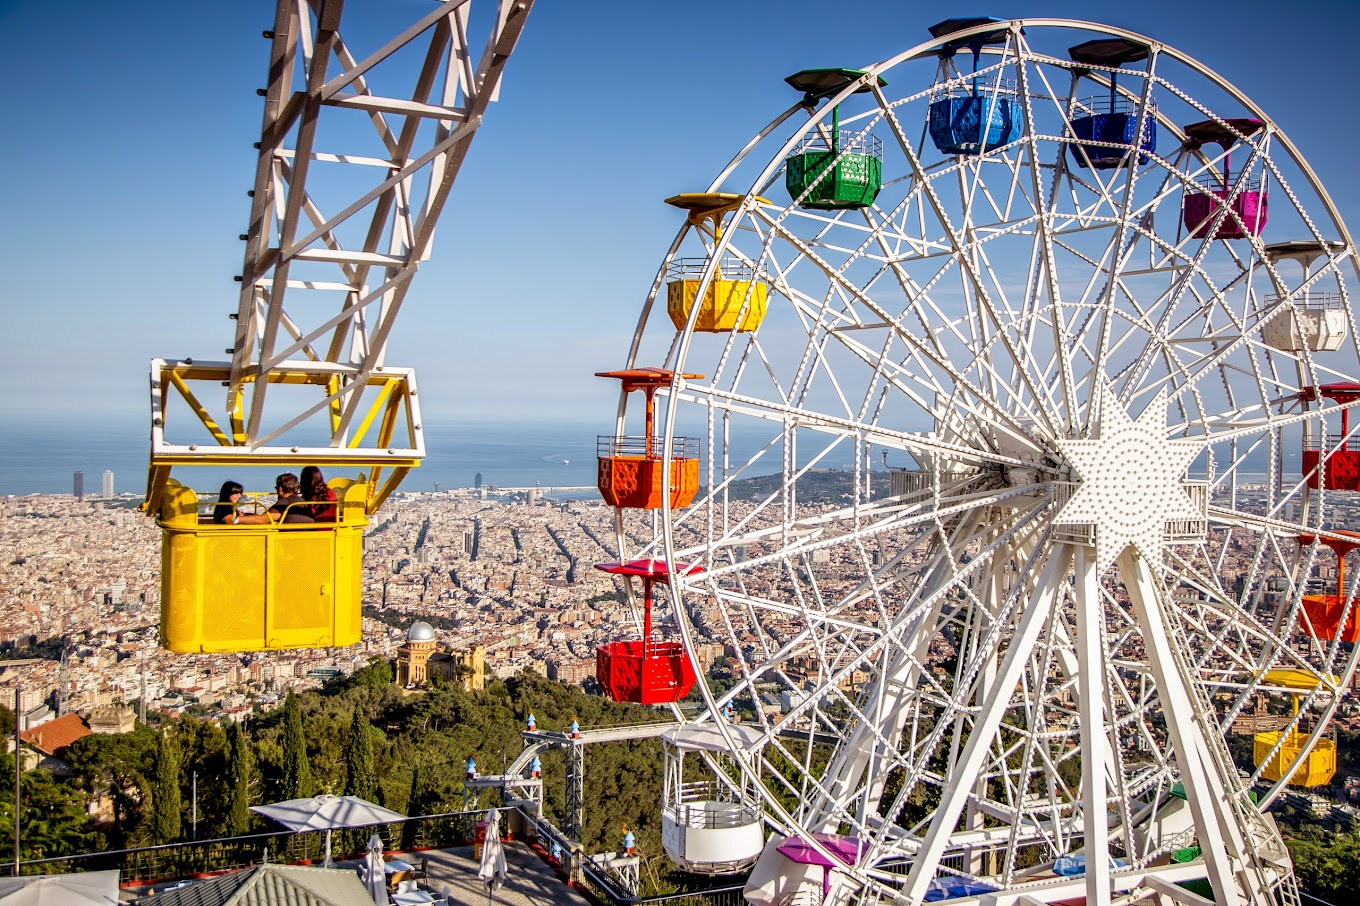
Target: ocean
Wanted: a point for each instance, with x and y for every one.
(40, 458)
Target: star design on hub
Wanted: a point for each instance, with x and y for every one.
(1130, 475)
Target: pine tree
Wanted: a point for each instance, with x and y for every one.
(413, 807)
(165, 793)
(242, 770)
(297, 771)
(360, 777)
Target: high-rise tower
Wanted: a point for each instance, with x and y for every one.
(106, 490)
(78, 488)
(478, 480)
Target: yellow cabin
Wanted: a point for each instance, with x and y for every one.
(734, 301)
(258, 587)
(1319, 765)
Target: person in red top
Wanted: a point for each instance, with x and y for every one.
(322, 498)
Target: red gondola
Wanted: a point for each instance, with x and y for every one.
(1332, 460)
(646, 671)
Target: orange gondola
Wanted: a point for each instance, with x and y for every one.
(1322, 614)
(630, 467)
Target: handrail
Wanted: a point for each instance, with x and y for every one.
(173, 861)
(1334, 443)
(608, 446)
(724, 817)
(149, 862)
(729, 268)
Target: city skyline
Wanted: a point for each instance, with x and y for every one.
(578, 274)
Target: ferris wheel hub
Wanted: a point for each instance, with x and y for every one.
(1131, 478)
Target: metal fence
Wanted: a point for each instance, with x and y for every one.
(176, 861)
(202, 857)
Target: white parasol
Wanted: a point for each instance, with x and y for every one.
(327, 813)
(492, 870)
(94, 888)
(375, 873)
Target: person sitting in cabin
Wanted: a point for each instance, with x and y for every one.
(290, 507)
(228, 499)
(322, 498)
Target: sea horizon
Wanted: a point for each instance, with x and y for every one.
(41, 457)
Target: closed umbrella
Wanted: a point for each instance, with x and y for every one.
(492, 870)
(375, 875)
(327, 813)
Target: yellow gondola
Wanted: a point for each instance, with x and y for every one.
(1318, 765)
(251, 587)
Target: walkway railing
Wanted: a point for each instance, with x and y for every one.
(202, 857)
(176, 861)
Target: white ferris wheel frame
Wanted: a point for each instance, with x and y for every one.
(1243, 853)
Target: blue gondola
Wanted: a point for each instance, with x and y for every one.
(1106, 127)
(981, 116)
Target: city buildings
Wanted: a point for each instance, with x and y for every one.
(79, 488)
(106, 485)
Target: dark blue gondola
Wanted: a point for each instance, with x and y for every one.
(980, 117)
(1106, 128)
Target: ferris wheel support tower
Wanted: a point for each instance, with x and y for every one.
(357, 156)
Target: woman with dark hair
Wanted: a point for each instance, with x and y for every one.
(316, 491)
(225, 512)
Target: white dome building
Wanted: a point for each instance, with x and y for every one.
(420, 658)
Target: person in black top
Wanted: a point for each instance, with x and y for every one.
(227, 498)
(291, 506)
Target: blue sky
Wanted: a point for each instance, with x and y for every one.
(127, 155)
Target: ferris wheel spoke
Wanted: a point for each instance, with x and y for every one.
(882, 316)
(1190, 736)
(907, 442)
(956, 241)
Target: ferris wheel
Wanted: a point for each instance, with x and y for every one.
(997, 389)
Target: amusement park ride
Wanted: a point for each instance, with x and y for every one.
(1030, 258)
(357, 156)
(1050, 267)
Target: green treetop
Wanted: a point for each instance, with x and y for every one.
(297, 771)
(165, 795)
(242, 772)
(361, 777)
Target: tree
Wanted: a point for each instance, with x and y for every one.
(53, 816)
(117, 768)
(204, 771)
(242, 769)
(360, 777)
(413, 803)
(1327, 865)
(165, 795)
(297, 771)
